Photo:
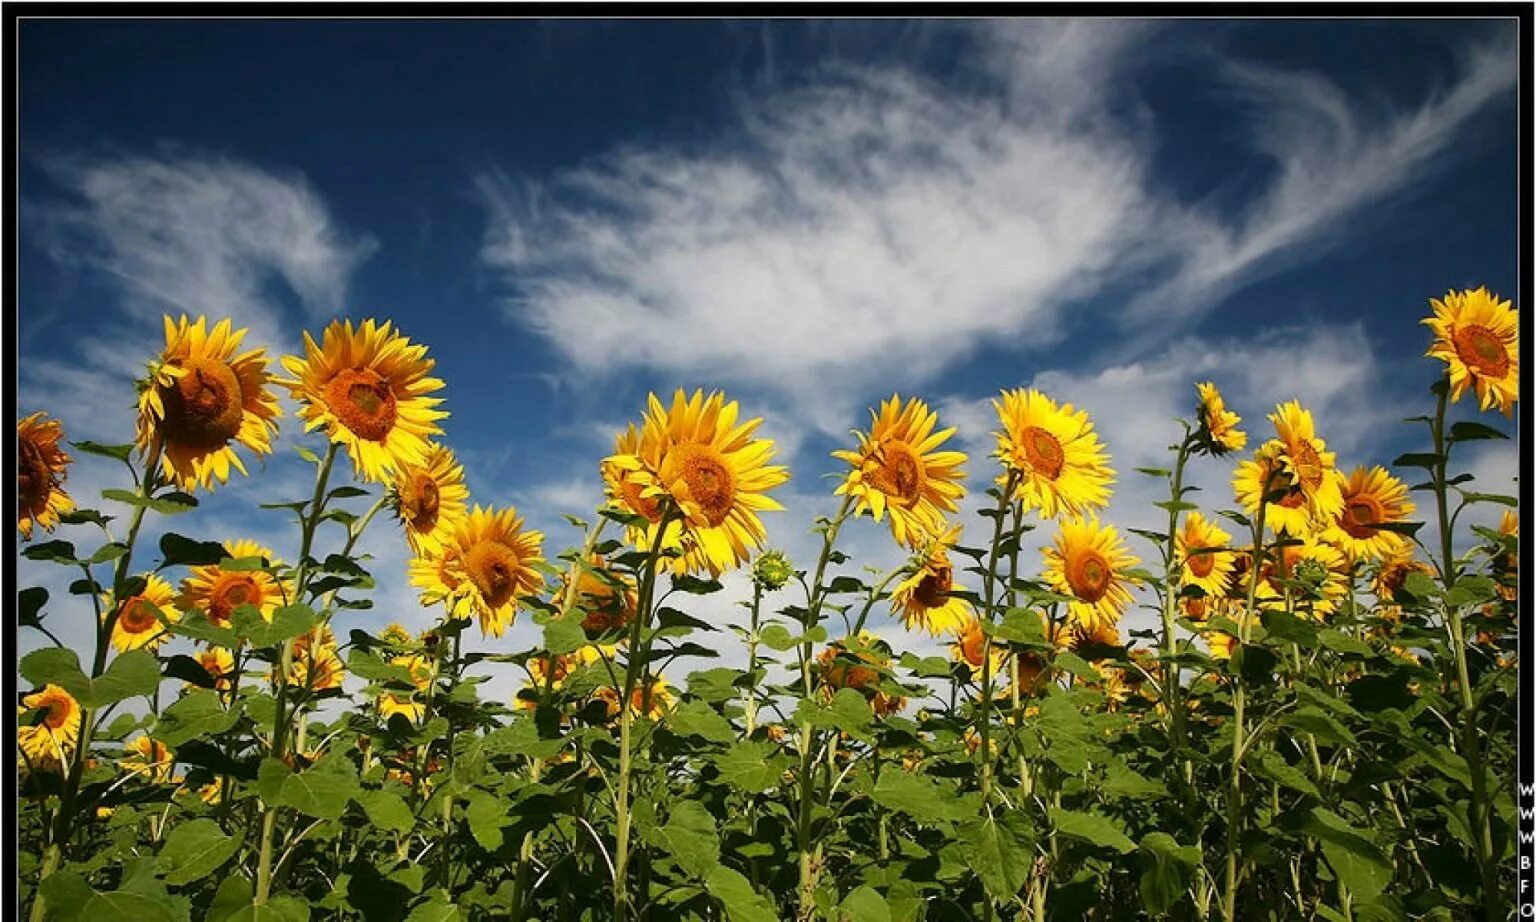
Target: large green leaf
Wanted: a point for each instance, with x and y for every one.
(1091, 827)
(994, 850)
(1166, 869)
(751, 766)
(735, 893)
(863, 904)
(195, 849)
(387, 810)
(925, 799)
(287, 622)
(695, 718)
(197, 714)
(322, 790)
(131, 674)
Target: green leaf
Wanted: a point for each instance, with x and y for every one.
(195, 849)
(172, 503)
(1166, 869)
(282, 908)
(182, 551)
(1093, 828)
(1273, 766)
(55, 666)
(735, 893)
(197, 714)
(1497, 498)
(131, 674)
(198, 627)
(564, 636)
(287, 622)
(925, 799)
(994, 850)
(108, 552)
(485, 813)
(85, 516)
(1282, 625)
(695, 586)
(233, 895)
(691, 838)
(365, 664)
(435, 910)
(1020, 625)
(322, 790)
(29, 602)
(1120, 781)
(699, 719)
(387, 810)
(119, 452)
(863, 904)
(1357, 861)
(1425, 460)
(1469, 431)
(1340, 642)
(776, 637)
(270, 778)
(750, 766)
(1320, 724)
(56, 551)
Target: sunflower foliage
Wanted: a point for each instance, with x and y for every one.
(1292, 703)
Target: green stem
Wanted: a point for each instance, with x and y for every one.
(1235, 783)
(989, 586)
(752, 639)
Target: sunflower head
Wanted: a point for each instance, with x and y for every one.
(1313, 572)
(41, 469)
(138, 616)
(48, 726)
(1203, 558)
(485, 567)
(370, 389)
(1477, 335)
(217, 592)
(429, 498)
(150, 758)
(219, 664)
(1372, 498)
(859, 665)
(923, 599)
(1089, 562)
(605, 598)
(203, 396)
(1218, 425)
(970, 647)
(651, 699)
(772, 570)
(1052, 454)
(899, 469)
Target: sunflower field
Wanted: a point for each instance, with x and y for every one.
(1320, 724)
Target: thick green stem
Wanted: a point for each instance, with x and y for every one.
(989, 587)
(1235, 783)
(752, 639)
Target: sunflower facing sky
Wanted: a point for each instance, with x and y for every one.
(696, 455)
(921, 599)
(484, 567)
(1088, 562)
(1305, 457)
(1218, 424)
(1372, 497)
(369, 389)
(1211, 571)
(41, 469)
(1478, 337)
(1060, 465)
(202, 396)
(429, 498)
(899, 470)
(138, 617)
(217, 592)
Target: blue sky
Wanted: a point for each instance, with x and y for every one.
(810, 214)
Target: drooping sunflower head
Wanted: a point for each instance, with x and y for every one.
(1093, 643)
(316, 664)
(1218, 425)
(217, 592)
(41, 469)
(201, 397)
(1055, 457)
(429, 498)
(923, 598)
(1478, 337)
(1372, 498)
(489, 562)
(48, 726)
(696, 458)
(138, 616)
(370, 389)
(1089, 562)
(899, 469)
(1203, 557)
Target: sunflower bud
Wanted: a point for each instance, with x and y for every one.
(772, 570)
(1311, 574)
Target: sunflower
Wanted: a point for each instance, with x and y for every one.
(217, 592)
(1306, 459)
(395, 702)
(970, 645)
(1059, 463)
(429, 497)
(219, 664)
(48, 743)
(1372, 498)
(1218, 425)
(396, 635)
(150, 758)
(899, 469)
(606, 599)
(138, 617)
(369, 389)
(1320, 567)
(316, 666)
(841, 666)
(484, 567)
(1221, 644)
(652, 698)
(41, 469)
(923, 599)
(201, 397)
(1391, 575)
(1212, 570)
(1092, 643)
(1288, 509)
(711, 469)
(1478, 337)
(1088, 563)
(1030, 673)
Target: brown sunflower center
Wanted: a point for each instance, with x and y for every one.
(709, 481)
(493, 568)
(420, 502)
(900, 472)
(138, 615)
(57, 714)
(1043, 452)
(203, 407)
(1482, 350)
(232, 591)
(1089, 573)
(1201, 565)
(1292, 495)
(364, 402)
(34, 478)
(1308, 466)
(930, 590)
(1360, 516)
(973, 646)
